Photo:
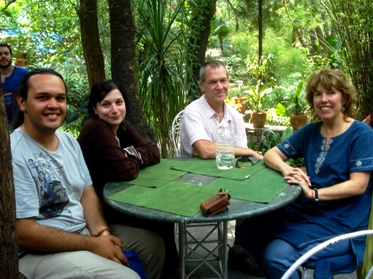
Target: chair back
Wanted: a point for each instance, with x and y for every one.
(321, 246)
(175, 133)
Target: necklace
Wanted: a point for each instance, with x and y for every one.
(335, 132)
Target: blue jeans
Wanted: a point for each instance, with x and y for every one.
(275, 256)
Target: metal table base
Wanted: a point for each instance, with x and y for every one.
(189, 246)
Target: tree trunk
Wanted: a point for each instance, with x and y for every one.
(321, 39)
(200, 34)
(260, 36)
(93, 56)
(318, 42)
(260, 32)
(8, 233)
(123, 63)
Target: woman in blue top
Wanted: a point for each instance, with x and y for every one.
(336, 192)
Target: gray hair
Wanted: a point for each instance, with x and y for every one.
(213, 64)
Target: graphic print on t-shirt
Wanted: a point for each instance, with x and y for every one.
(53, 196)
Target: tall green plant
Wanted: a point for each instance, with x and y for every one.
(256, 95)
(162, 68)
(353, 24)
(297, 100)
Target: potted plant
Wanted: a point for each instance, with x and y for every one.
(297, 107)
(271, 139)
(255, 100)
(238, 99)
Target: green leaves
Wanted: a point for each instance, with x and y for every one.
(352, 26)
(297, 102)
(280, 109)
(269, 139)
(162, 66)
(256, 95)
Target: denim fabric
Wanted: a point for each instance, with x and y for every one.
(277, 256)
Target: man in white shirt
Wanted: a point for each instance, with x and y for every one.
(201, 119)
(198, 134)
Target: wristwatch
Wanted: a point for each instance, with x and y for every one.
(316, 194)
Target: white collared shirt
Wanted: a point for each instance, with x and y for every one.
(201, 122)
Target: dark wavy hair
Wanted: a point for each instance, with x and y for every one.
(8, 46)
(99, 91)
(332, 78)
(23, 88)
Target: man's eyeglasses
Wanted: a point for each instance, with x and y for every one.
(245, 159)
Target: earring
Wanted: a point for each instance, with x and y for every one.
(343, 109)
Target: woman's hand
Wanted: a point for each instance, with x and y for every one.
(298, 177)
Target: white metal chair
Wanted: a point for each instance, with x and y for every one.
(175, 133)
(175, 136)
(323, 245)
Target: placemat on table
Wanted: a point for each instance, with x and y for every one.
(208, 167)
(174, 197)
(262, 187)
(157, 175)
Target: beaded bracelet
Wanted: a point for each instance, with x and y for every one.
(100, 232)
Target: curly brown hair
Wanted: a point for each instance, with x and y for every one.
(332, 78)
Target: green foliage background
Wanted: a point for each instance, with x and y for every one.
(299, 37)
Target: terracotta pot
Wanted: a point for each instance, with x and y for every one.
(243, 107)
(238, 101)
(258, 119)
(297, 121)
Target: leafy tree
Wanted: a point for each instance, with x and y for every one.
(305, 20)
(221, 30)
(353, 24)
(162, 61)
(202, 12)
(49, 43)
(123, 62)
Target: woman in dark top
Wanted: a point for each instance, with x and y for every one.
(369, 120)
(115, 151)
